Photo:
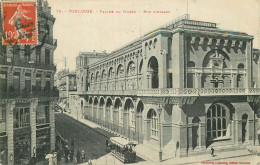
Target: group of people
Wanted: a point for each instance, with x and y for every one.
(69, 155)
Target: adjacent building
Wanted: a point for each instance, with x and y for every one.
(65, 81)
(28, 96)
(184, 87)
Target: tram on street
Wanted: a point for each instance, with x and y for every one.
(122, 149)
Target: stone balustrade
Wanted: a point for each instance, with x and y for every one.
(198, 92)
(180, 92)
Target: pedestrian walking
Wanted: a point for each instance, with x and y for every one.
(71, 155)
(54, 158)
(83, 155)
(67, 151)
(78, 156)
(212, 151)
(75, 161)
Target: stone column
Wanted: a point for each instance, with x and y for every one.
(33, 104)
(149, 81)
(162, 70)
(238, 132)
(179, 130)
(189, 126)
(147, 128)
(10, 131)
(250, 131)
(197, 80)
(202, 135)
(233, 135)
(52, 125)
(233, 80)
(248, 77)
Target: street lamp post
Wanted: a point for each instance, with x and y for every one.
(160, 151)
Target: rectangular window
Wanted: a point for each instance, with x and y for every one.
(27, 52)
(2, 114)
(47, 56)
(38, 82)
(21, 117)
(42, 114)
(38, 55)
(28, 81)
(16, 80)
(47, 86)
(3, 81)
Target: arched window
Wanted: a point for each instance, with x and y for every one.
(141, 66)
(154, 123)
(240, 66)
(191, 64)
(216, 121)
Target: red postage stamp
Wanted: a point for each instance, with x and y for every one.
(19, 23)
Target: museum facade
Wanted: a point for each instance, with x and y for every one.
(187, 85)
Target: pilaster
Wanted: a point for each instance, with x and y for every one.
(248, 82)
(197, 80)
(233, 80)
(33, 104)
(10, 131)
(52, 125)
(10, 76)
(22, 79)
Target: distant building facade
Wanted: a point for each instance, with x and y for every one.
(186, 86)
(28, 96)
(76, 101)
(65, 82)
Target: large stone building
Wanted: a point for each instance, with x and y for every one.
(186, 86)
(27, 122)
(77, 102)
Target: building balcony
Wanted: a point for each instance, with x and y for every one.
(25, 63)
(28, 94)
(178, 92)
(116, 93)
(199, 92)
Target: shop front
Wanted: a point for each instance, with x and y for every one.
(42, 143)
(3, 150)
(22, 145)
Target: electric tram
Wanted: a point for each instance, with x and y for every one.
(122, 149)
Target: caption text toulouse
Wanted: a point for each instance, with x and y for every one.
(114, 11)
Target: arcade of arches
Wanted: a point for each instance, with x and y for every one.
(194, 127)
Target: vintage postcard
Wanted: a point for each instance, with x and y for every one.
(114, 82)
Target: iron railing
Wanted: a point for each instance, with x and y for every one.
(125, 131)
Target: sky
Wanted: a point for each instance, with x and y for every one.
(101, 30)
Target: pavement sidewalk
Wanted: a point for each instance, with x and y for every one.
(144, 151)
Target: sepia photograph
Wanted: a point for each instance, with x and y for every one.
(114, 82)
